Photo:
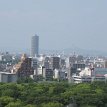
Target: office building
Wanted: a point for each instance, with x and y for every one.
(47, 74)
(55, 63)
(24, 68)
(79, 66)
(35, 65)
(34, 46)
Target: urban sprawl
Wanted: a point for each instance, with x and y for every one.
(56, 67)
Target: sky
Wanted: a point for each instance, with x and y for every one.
(60, 24)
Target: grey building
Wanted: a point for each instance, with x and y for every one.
(47, 74)
(81, 66)
(55, 63)
(34, 46)
(46, 63)
(8, 77)
(35, 65)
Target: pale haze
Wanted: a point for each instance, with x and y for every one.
(60, 24)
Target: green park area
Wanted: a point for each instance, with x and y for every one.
(53, 94)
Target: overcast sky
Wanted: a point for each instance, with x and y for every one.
(59, 23)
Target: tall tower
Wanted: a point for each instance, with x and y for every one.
(34, 46)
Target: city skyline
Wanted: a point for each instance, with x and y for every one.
(60, 24)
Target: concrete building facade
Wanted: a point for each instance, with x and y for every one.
(34, 46)
(55, 63)
(6, 77)
(47, 74)
(24, 68)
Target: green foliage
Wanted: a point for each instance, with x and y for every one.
(14, 104)
(53, 94)
(25, 80)
(52, 105)
(29, 105)
(87, 106)
(5, 100)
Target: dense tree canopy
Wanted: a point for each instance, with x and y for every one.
(53, 94)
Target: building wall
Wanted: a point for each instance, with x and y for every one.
(12, 78)
(55, 63)
(34, 46)
(24, 68)
(4, 78)
(7, 77)
(48, 74)
(34, 63)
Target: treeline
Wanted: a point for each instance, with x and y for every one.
(53, 94)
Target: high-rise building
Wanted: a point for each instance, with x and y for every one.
(34, 46)
(24, 67)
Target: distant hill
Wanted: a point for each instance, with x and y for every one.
(67, 51)
(77, 51)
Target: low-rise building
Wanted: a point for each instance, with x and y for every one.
(8, 77)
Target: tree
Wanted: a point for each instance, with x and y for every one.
(5, 100)
(51, 104)
(29, 105)
(14, 104)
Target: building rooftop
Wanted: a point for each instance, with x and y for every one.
(6, 73)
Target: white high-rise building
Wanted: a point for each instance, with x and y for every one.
(34, 46)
